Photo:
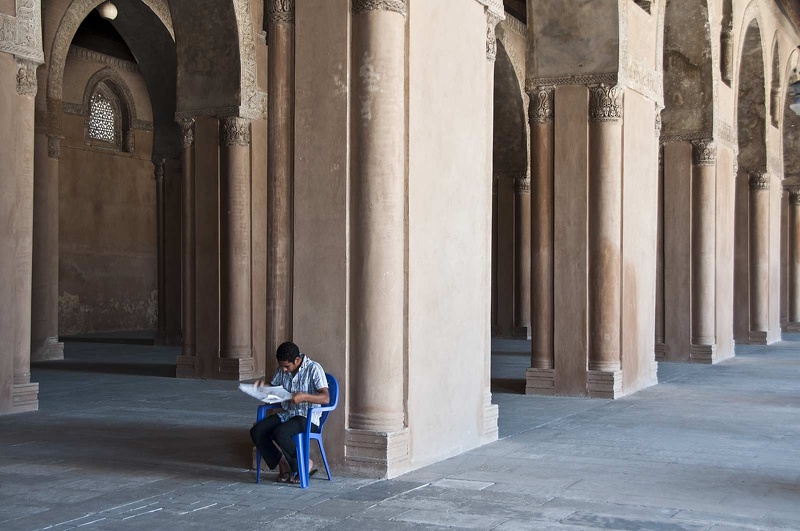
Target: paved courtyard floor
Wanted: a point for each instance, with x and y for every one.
(120, 444)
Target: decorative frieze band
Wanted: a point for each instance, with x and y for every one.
(759, 180)
(361, 6)
(605, 103)
(187, 131)
(704, 152)
(516, 26)
(235, 131)
(22, 35)
(492, 20)
(687, 137)
(522, 185)
(97, 57)
(541, 106)
(280, 11)
(158, 174)
(26, 78)
(584, 79)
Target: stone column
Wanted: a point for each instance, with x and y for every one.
(25, 395)
(161, 330)
(759, 256)
(187, 361)
(794, 260)
(540, 375)
(44, 302)
(604, 378)
(660, 346)
(377, 438)
(704, 300)
(280, 172)
(236, 350)
(522, 257)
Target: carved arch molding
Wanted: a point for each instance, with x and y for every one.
(76, 12)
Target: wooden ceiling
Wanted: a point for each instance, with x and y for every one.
(518, 8)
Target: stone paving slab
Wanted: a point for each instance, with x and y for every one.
(711, 448)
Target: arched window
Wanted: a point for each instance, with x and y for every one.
(102, 119)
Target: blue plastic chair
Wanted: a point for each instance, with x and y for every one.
(302, 441)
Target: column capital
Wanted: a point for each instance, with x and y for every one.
(492, 20)
(235, 131)
(794, 195)
(26, 77)
(158, 174)
(657, 127)
(759, 180)
(704, 152)
(541, 106)
(605, 103)
(187, 131)
(362, 6)
(280, 11)
(522, 184)
(53, 146)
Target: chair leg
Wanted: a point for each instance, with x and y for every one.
(302, 460)
(324, 459)
(258, 466)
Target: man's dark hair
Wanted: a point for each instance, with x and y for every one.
(287, 352)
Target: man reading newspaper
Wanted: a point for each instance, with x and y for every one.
(305, 380)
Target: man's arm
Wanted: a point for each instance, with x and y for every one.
(322, 397)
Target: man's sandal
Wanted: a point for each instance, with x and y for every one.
(284, 477)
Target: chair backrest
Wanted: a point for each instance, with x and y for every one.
(333, 391)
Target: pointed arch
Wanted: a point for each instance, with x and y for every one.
(510, 149)
(775, 83)
(751, 109)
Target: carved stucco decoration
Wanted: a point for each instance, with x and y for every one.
(522, 184)
(501, 34)
(158, 173)
(759, 181)
(22, 35)
(397, 6)
(70, 22)
(704, 152)
(280, 11)
(187, 132)
(794, 195)
(254, 102)
(53, 146)
(235, 131)
(541, 106)
(605, 103)
(491, 35)
(26, 78)
(657, 127)
(97, 57)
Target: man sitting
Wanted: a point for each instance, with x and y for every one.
(305, 379)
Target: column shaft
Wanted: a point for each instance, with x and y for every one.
(794, 257)
(605, 236)
(236, 352)
(660, 348)
(280, 173)
(541, 120)
(522, 257)
(377, 357)
(161, 331)
(759, 256)
(187, 362)
(25, 393)
(703, 251)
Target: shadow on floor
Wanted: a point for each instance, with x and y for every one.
(508, 385)
(163, 370)
(127, 337)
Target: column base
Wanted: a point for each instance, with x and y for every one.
(791, 327)
(521, 332)
(660, 352)
(235, 368)
(703, 354)
(187, 367)
(375, 454)
(757, 337)
(540, 381)
(604, 384)
(25, 397)
(52, 350)
(491, 412)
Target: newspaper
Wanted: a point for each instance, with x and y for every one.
(270, 395)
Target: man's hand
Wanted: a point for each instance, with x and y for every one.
(259, 382)
(321, 398)
(299, 398)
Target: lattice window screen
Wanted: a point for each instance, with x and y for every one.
(101, 119)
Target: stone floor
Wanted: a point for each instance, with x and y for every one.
(118, 444)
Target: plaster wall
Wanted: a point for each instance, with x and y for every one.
(107, 220)
(639, 225)
(570, 279)
(449, 220)
(677, 249)
(643, 34)
(321, 264)
(725, 251)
